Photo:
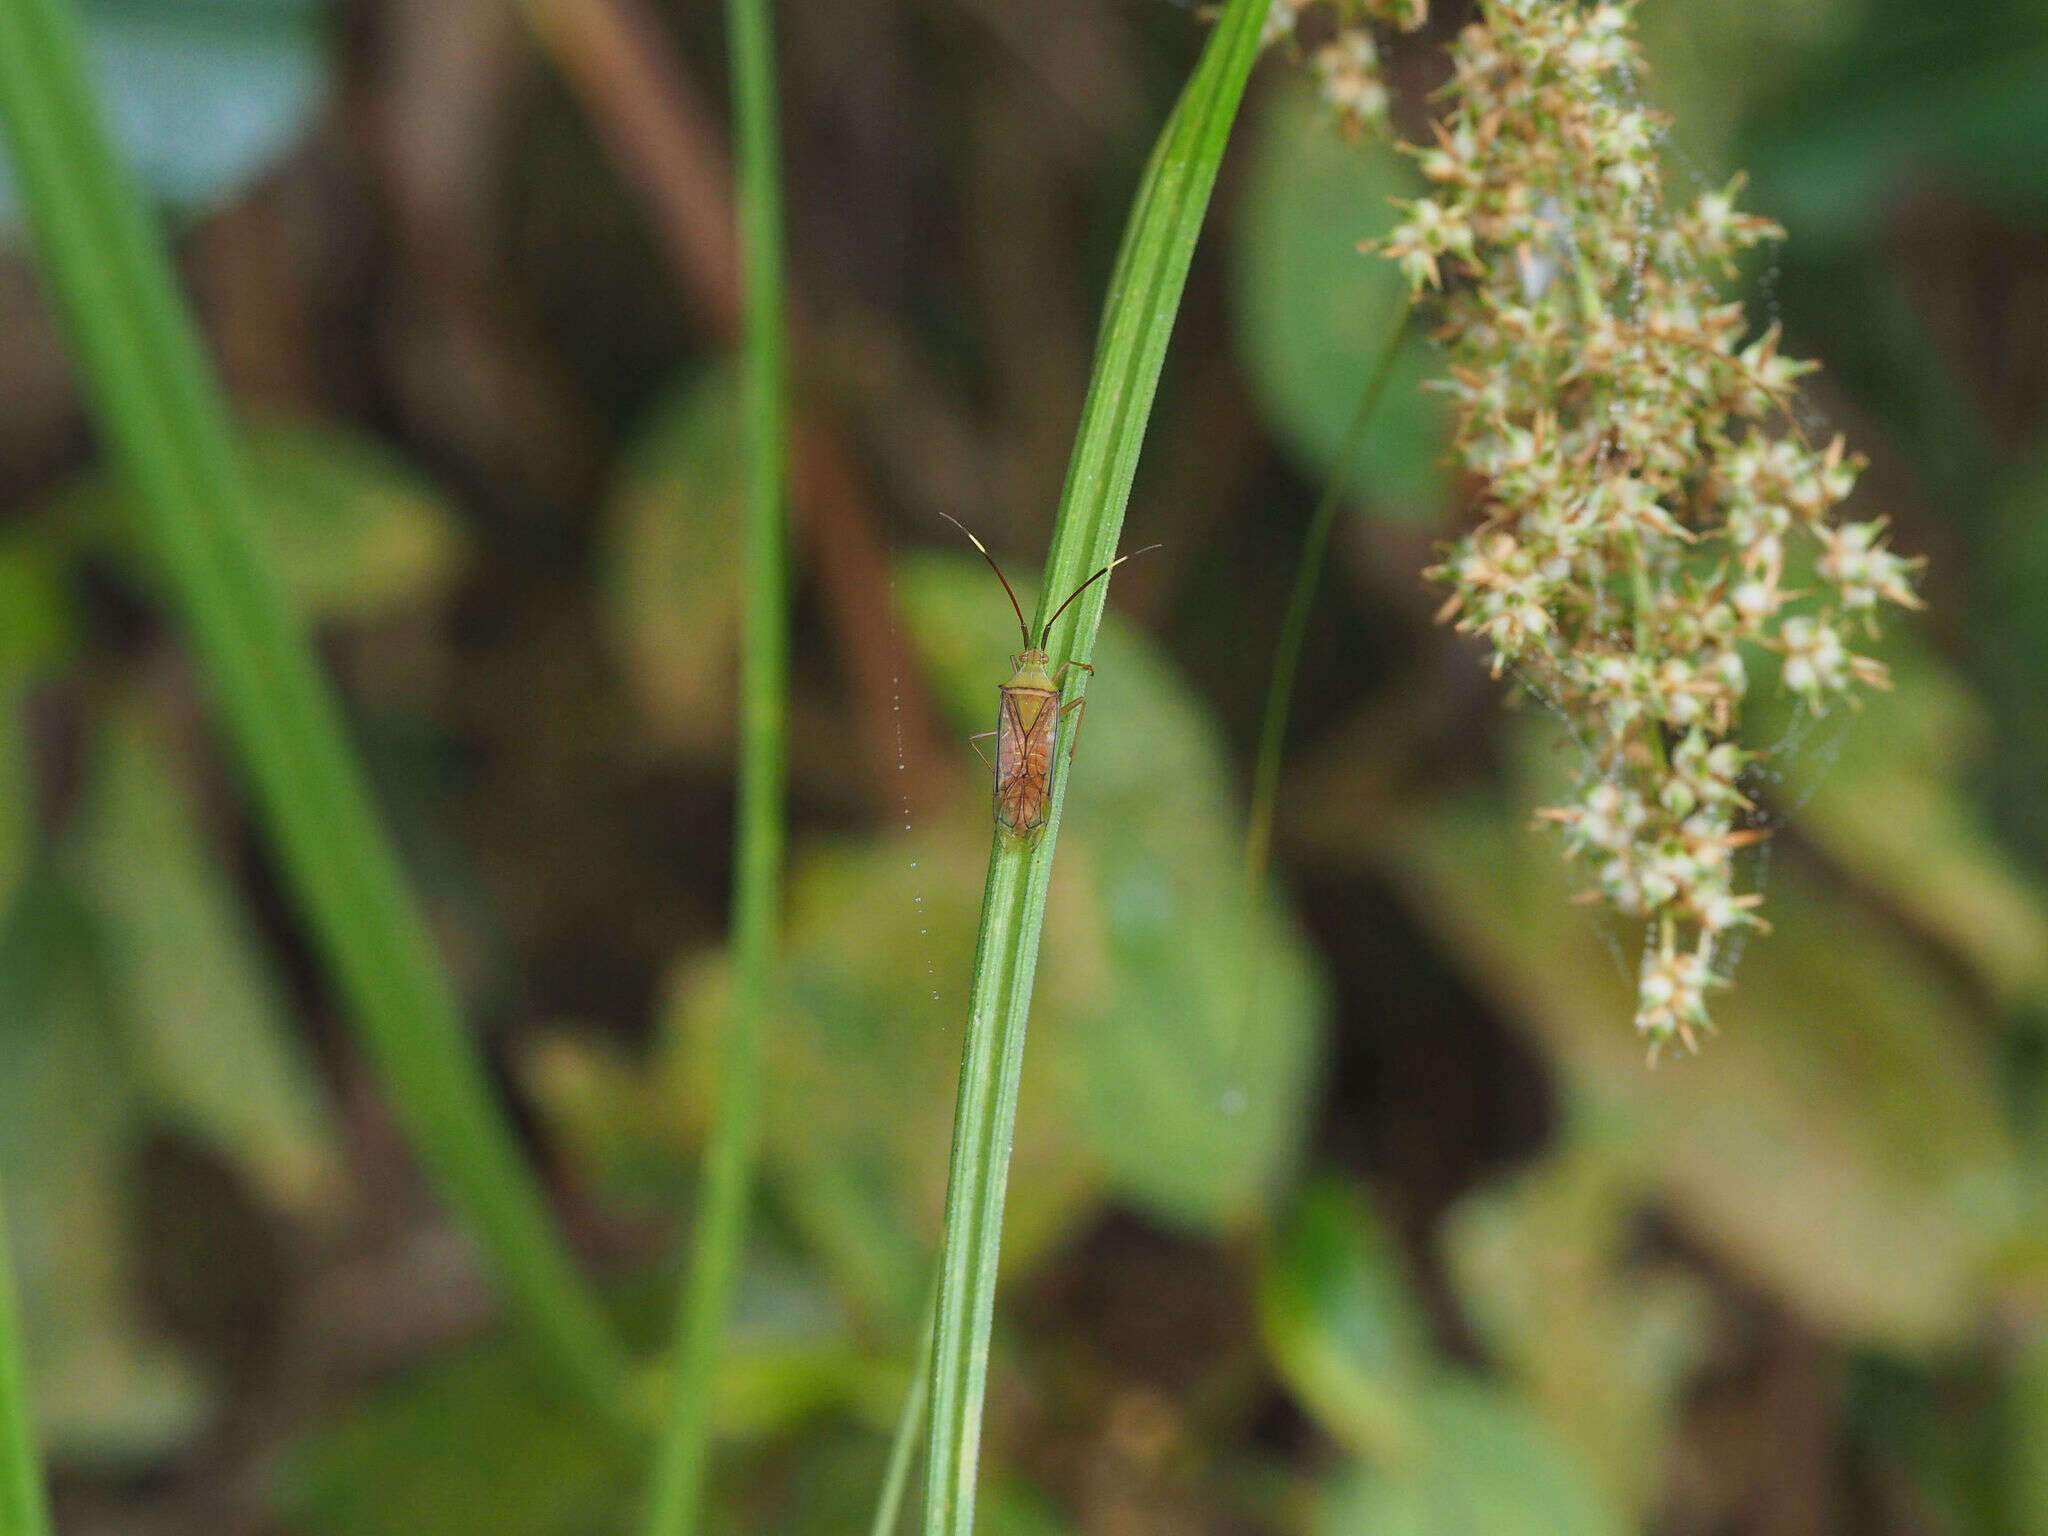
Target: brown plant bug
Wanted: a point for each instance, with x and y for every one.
(1029, 716)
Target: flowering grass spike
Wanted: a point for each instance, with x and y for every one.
(1655, 524)
(1346, 63)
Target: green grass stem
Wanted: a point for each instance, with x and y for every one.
(909, 1423)
(676, 1503)
(1144, 296)
(24, 1509)
(162, 415)
(1258, 837)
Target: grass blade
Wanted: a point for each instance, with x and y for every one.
(678, 1494)
(1144, 296)
(909, 1423)
(1258, 838)
(24, 1510)
(162, 415)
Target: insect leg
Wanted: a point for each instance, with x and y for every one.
(1073, 740)
(982, 736)
(1061, 670)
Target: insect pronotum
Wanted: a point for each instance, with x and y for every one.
(1029, 716)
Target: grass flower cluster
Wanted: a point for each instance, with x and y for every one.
(1655, 525)
(1346, 62)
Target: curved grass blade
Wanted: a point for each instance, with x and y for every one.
(1258, 837)
(909, 1423)
(678, 1494)
(160, 408)
(1144, 296)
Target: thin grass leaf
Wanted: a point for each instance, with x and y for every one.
(909, 1424)
(675, 1507)
(24, 1510)
(1144, 295)
(160, 408)
(1258, 837)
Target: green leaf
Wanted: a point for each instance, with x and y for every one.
(488, 1439)
(2011, 651)
(1313, 311)
(1841, 1140)
(36, 625)
(1912, 96)
(2026, 1431)
(2016, 565)
(1604, 1342)
(102, 1391)
(17, 794)
(211, 1035)
(352, 531)
(1712, 63)
(1436, 1451)
(1340, 1323)
(670, 582)
(628, 1130)
(1016, 1510)
(203, 95)
(36, 619)
(1484, 1467)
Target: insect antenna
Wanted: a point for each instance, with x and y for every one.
(1046, 633)
(1022, 628)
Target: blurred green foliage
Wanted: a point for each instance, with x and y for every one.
(1439, 1451)
(1140, 1084)
(144, 993)
(353, 532)
(1908, 92)
(1852, 1097)
(1312, 315)
(670, 576)
(210, 1027)
(487, 1439)
(1478, 1270)
(1602, 1336)
(102, 1389)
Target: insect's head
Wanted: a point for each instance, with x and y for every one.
(1032, 669)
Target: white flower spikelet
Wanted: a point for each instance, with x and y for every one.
(1647, 491)
(1346, 65)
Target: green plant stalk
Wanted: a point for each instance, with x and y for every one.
(675, 1506)
(164, 419)
(909, 1421)
(1144, 295)
(1258, 837)
(24, 1510)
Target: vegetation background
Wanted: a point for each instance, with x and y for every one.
(1418, 1246)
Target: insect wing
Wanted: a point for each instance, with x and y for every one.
(1027, 729)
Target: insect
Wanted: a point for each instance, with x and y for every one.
(1028, 719)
